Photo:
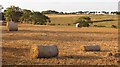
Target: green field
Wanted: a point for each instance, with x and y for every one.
(69, 20)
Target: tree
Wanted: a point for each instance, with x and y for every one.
(50, 12)
(38, 18)
(13, 13)
(26, 17)
(84, 21)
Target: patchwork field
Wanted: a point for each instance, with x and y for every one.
(16, 44)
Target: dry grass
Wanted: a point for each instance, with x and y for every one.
(16, 45)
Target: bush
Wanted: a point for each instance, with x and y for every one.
(39, 23)
(68, 24)
(84, 21)
(58, 24)
(95, 25)
(113, 26)
(84, 24)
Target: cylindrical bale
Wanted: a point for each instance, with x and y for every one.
(78, 25)
(117, 54)
(44, 51)
(12, 26)
(90, 48)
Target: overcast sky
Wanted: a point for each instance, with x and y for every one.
(63, 5)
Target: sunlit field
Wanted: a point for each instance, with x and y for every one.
(68, 39)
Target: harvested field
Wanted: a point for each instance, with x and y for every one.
(16, 45)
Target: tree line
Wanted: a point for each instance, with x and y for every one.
(80, 12)
(17, 14)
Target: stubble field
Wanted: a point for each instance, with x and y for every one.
(16, 45)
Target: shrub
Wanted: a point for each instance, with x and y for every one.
(68, 24)
(84, 21)
(58, 24)
(113, 26)
(84, 24)
(95, 25)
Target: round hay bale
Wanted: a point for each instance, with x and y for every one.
(117, 54)
(77, 25)
(90, 48)
(44, 51)
(12, 26)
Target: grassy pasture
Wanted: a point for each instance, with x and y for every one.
(104, 20)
